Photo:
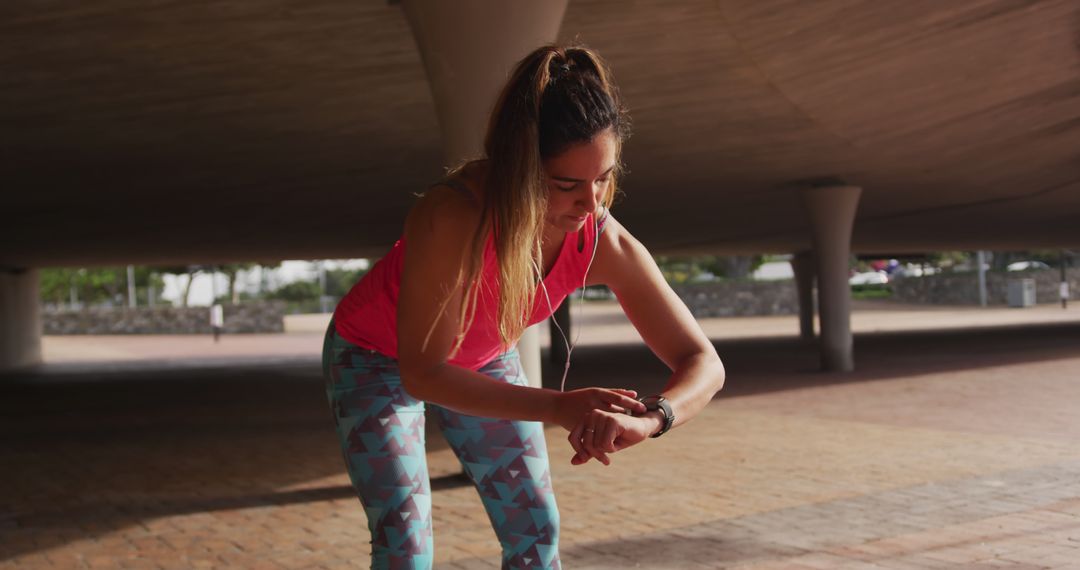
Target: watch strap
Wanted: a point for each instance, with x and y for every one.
(658, 402)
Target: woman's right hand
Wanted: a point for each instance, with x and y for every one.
(571, 406)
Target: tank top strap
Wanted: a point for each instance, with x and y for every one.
(458, 186)
(601, 222)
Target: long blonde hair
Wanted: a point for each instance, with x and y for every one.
(556, 97)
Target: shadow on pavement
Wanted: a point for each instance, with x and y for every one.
(762, 365)
(88, 453)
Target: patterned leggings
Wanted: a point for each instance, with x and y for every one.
(381, 430)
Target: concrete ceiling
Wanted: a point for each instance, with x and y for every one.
(171, 131)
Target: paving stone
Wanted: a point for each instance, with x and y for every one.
(963, 457)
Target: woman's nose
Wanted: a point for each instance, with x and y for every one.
(589, 200)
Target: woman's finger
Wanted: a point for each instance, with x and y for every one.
(603, 458)
(624, 401)
(589, 438)
(613, 408)
(611, 431)
(575, 441)
(596, 445)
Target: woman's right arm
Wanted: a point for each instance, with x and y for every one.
(437, 234)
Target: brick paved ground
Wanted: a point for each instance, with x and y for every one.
(944, 450)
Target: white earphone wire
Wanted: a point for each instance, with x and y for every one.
(566, 342)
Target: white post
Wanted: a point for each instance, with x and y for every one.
(131, 285)
(323, 300)
(1063, 288)
(213, 285)
(980, 259)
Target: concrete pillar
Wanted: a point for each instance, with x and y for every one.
(561, 317)
(529, 348)
(20, 319)
(831, 210)
(803, 266)
(469, 48)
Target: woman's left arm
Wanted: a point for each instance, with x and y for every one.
(665, 324)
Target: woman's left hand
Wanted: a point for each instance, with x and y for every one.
(600, 432)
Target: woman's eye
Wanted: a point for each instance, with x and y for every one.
(566, 188)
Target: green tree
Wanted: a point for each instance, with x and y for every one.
(339, 281)
(297, 291)
(231, 270)
(732, 266)
(95, 285)
(147, 277)
(947, 259)
(58, 284)
(676, 270)
(681, 269)
(299, 296)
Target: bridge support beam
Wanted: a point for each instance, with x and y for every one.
(803, 266)
(469, 48)
(20, 319)
(831, 210)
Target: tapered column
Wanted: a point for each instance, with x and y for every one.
(560, 333)
(20, 319)
(469, 48)
(831, 210)
(802, 264)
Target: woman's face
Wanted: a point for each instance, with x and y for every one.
(577, 180)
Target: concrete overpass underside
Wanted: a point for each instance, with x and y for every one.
(244, 130)
(233, 130)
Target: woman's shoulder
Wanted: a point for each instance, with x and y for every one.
(468, 180)
(449, 207)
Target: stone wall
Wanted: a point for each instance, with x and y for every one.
(963, 288)
(740, 298)
(261, 317)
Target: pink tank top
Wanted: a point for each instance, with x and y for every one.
(367, 315)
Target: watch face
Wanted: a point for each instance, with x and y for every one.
(651, 402)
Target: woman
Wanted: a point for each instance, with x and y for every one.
(494, 248)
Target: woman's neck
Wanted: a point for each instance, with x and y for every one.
(550, 236)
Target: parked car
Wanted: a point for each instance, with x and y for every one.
(597, 293)
(969, 266)
(773, 270)
(1026, 266)
(869, 278)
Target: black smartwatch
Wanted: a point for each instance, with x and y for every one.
(658, 402)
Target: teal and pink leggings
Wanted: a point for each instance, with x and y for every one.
(381, 430)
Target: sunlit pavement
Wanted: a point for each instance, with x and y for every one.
(953, 446)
